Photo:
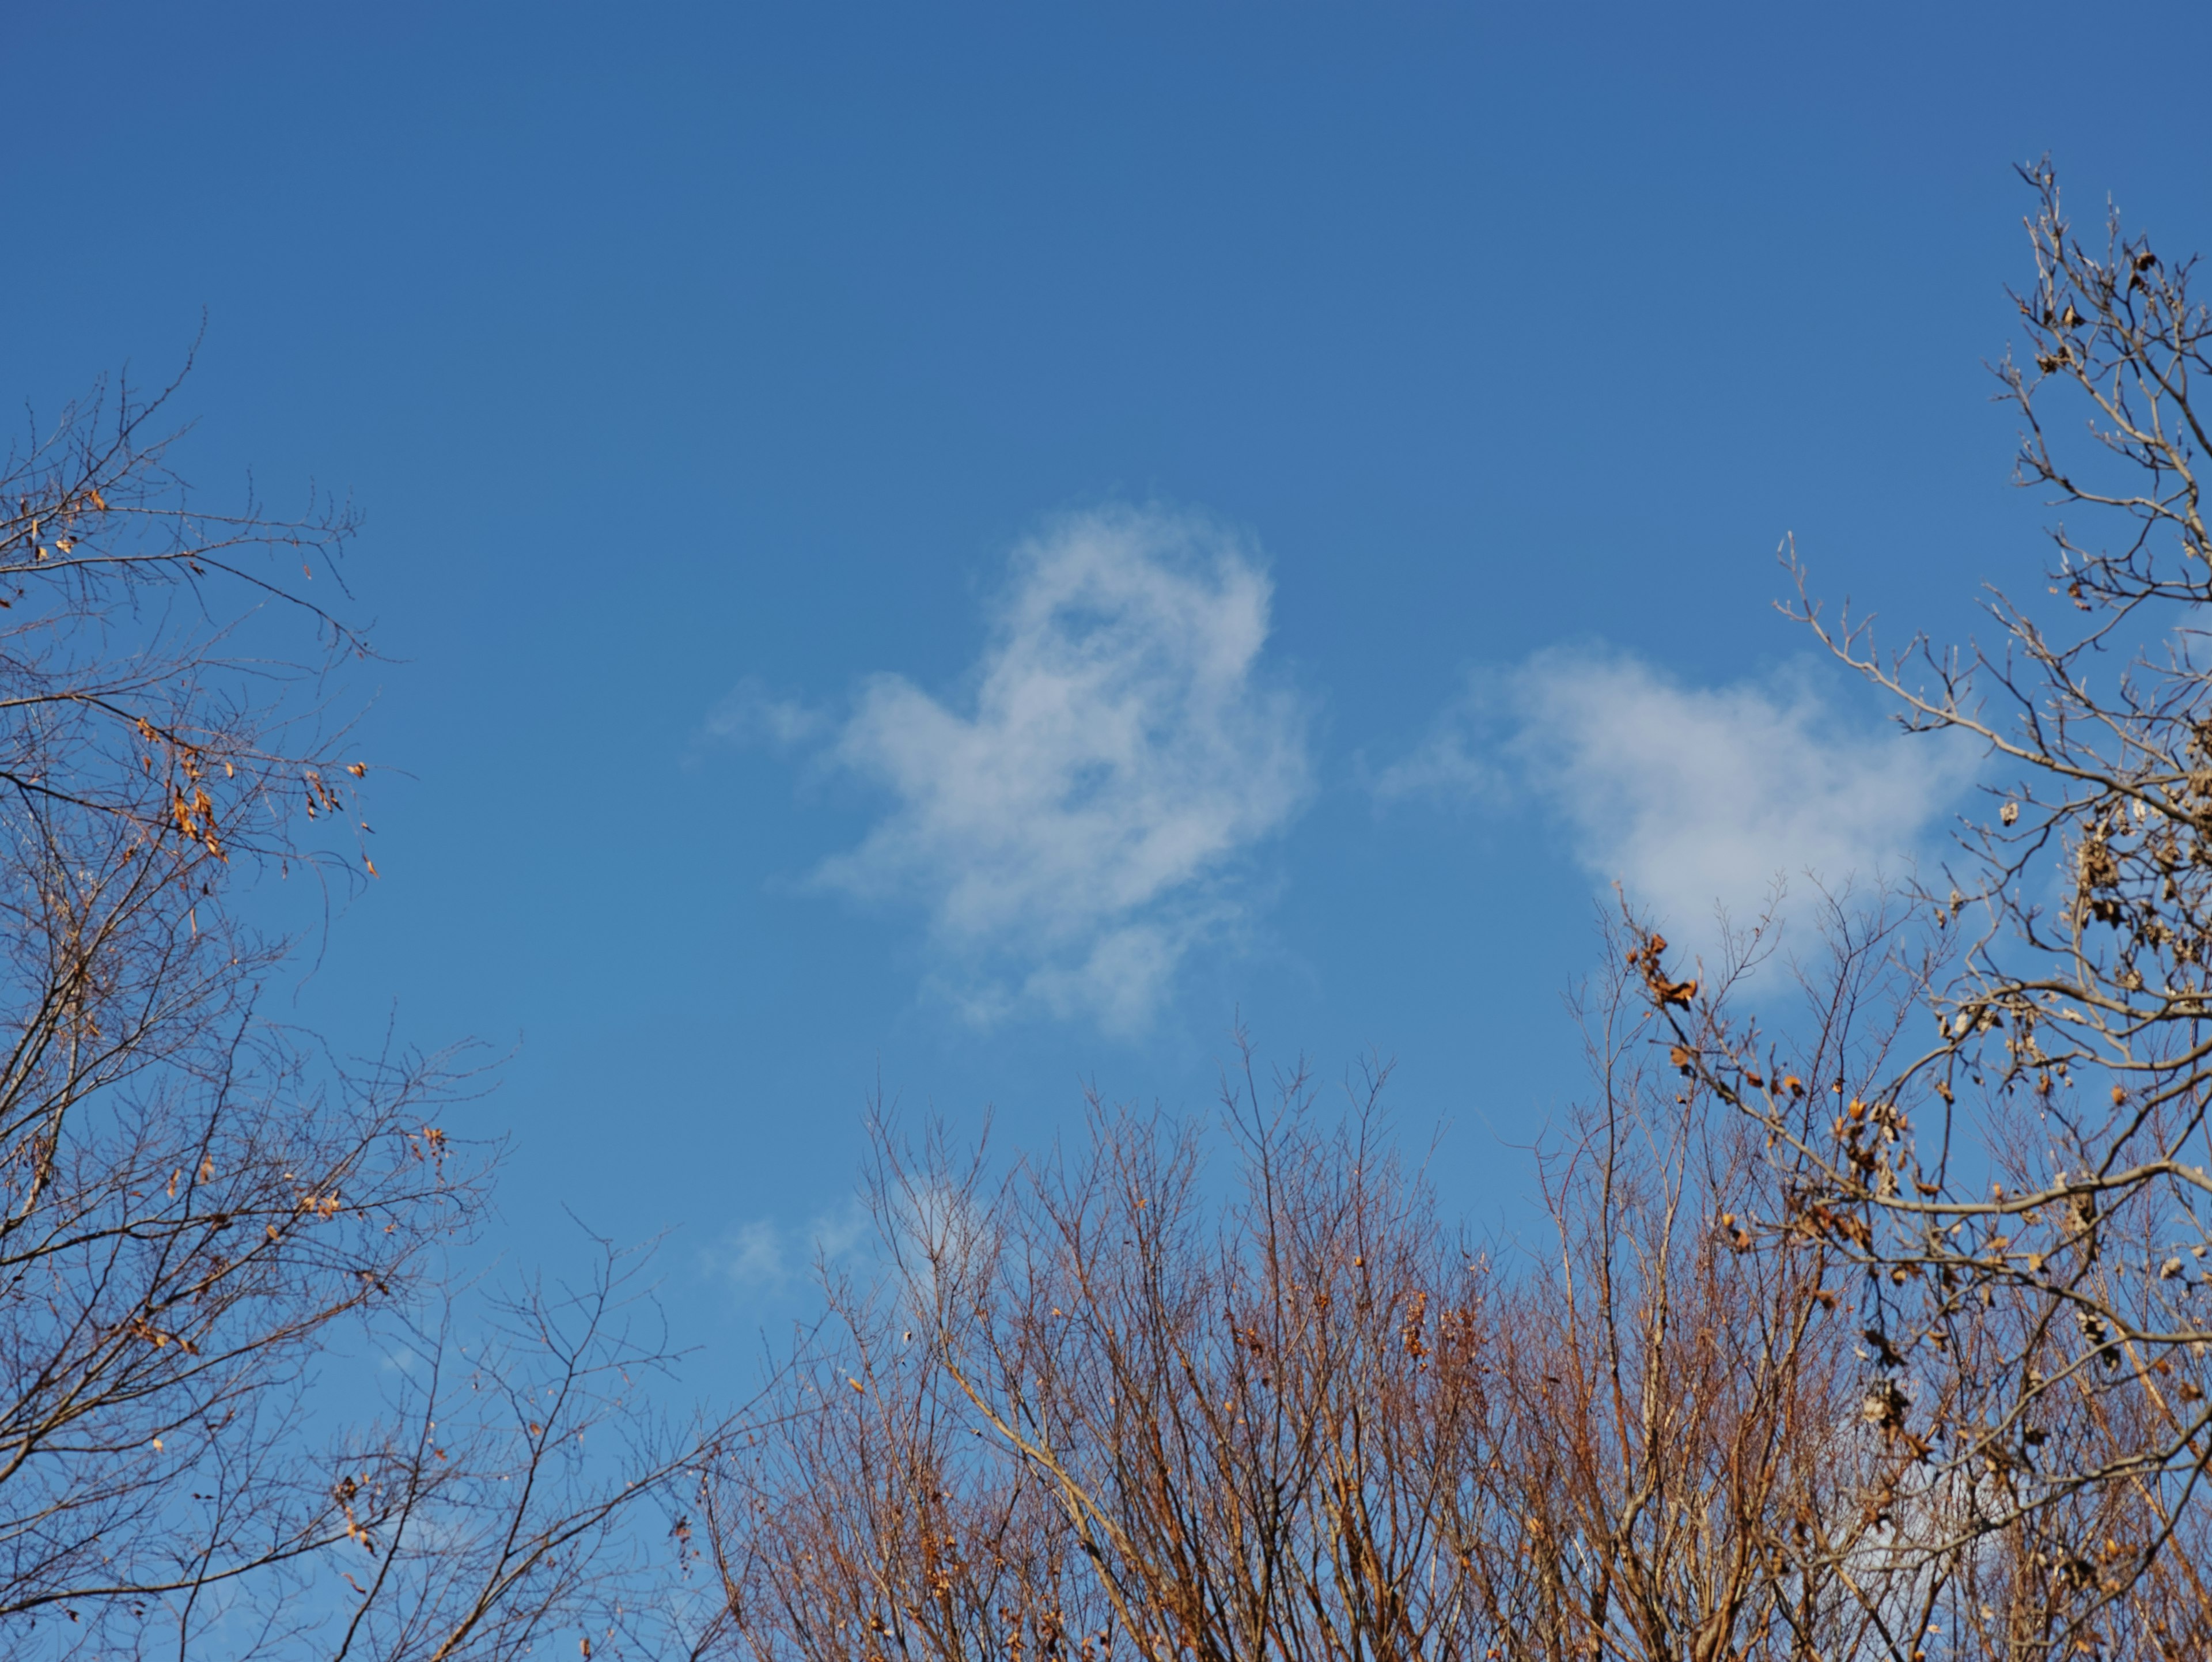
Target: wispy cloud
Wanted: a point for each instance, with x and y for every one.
(1074, 823)
(764, 1256)
(921, 1231)
(753, 716)
(1691, 797)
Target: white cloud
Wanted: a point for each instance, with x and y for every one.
(1691, 797)
(763, 1254)
(1074, 825)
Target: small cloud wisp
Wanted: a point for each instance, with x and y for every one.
(763, 1256)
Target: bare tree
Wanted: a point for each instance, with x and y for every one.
(1687, 1445)
(1113, 1401)
(197, 1206)
(503, 1498)
(1079, 1416)
(2025, 1185)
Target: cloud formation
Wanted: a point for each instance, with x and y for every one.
(753, 716)
(1690, 797)
(1074, 826)
(764, 1256)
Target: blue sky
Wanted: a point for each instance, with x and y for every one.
(954, 551)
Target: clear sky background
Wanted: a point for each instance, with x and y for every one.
(954, 550)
